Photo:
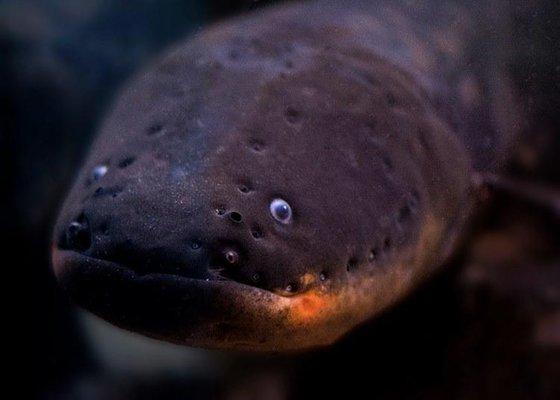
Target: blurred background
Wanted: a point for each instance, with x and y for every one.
(487, 327)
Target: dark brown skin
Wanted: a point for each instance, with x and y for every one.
(369, 121)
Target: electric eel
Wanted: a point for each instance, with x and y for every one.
(282, 176)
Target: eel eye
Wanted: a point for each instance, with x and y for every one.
(281, 211)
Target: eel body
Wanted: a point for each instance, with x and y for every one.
(281, 177)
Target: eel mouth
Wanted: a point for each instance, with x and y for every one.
(197, 312)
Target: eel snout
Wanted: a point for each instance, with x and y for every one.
(217, 259)
(211, 313)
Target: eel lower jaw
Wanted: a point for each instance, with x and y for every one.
(196, 312)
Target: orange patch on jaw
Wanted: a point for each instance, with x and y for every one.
(309, 306)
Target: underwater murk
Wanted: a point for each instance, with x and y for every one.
(286, 199)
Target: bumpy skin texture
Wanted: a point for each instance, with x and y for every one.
(331, 108)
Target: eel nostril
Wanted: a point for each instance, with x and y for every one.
(78, 235)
